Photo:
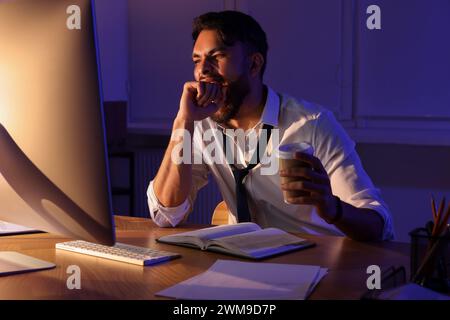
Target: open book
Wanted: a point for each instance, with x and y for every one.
(246, 240)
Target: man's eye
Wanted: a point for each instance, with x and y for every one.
(196, 61)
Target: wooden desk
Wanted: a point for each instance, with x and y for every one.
(106, 279)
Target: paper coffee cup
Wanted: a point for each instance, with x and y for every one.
(286, 160)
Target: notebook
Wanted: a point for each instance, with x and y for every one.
(245, 240)
(237, 280)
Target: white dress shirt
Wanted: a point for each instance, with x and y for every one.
(297, 121)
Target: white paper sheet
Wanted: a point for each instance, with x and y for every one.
(235, 280)
(7, 228)
(14, 262)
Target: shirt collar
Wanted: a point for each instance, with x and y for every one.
(271, 109)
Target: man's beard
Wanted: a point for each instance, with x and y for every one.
(236, 93)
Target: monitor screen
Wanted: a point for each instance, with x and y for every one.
(53, 157)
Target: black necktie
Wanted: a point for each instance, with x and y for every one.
(239, 174)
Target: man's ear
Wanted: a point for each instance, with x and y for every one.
(257, 62)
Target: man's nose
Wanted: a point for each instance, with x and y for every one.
(205, 67)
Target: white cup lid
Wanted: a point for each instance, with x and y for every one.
(287, 151)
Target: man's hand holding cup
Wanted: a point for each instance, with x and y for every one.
(305, 181)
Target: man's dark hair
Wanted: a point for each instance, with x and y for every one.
(233, 26)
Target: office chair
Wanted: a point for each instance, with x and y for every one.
(220, 215)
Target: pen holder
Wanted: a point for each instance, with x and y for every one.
(430, 260)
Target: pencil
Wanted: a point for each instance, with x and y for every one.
(433, 208)
(444, 221)
(427, 263)
(438, 217)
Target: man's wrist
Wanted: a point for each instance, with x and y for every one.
(339, 212)
(183, 123)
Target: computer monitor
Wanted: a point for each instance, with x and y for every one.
(53, 160)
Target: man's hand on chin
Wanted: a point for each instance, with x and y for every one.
(200, 100)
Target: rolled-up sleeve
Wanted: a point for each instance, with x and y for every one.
(165, 216)
(172, 216)
(349, 180)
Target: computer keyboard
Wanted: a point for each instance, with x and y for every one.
(119, 252)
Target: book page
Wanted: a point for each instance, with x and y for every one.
(200, 237)
(258, 243)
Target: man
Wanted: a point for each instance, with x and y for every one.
(229, 57)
